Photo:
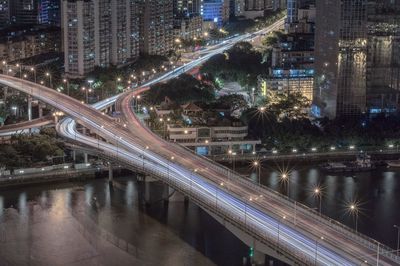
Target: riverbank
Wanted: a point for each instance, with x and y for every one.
(69, 173)
(313, 157)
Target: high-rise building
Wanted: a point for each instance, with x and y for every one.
(237, 7)
(24, 11)
(357, 56)
(292, 7)
(99, 33)
(49, 12)
(216, 11)
(4, 13)
(156, 26)
(188, 22)
(187, 8)
(255, 4)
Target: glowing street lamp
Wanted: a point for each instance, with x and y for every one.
(285, 177)
(317, 192)
(257, 165)
(353, 209)
(50, 79)
(34, 73)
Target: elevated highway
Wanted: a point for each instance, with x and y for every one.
(262, 218)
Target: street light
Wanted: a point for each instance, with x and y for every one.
(66, 82)
(279, 223)
(353, 209)
(257, 164)
(49, 76)
(34, 73)
(318, 193)
(285, 177)
(86, 94)
(20, 70)
(316, 248)
(398, 238)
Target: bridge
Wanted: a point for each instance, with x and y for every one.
(262, 218)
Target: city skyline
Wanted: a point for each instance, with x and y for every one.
(209, 132)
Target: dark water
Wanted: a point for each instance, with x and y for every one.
(183, 234)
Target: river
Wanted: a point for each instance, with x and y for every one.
(55, 224)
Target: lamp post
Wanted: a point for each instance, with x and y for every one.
(118, 80)
(286, 177)
(66, 82)
(232, 155)
(316, 248)
(318, 193)
(20, 70)
(34, 73)
(353, 208)
(50, 79)
(90, 81)
(279, 224)
(5, 66)
(398, 238)
(172, 159)
(86, 94)
(377, 254)
(257, 164)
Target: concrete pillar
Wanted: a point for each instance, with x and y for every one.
(147, 191)
(110, 173)
(74, 155)
(5, 95)
(40, 110)
(29, 108)
(170, 194)
(85, 155)
(258, 258)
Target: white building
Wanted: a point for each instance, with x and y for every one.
(208, 140)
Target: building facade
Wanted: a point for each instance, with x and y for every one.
(18, 45)
(216, 12)
(156, 27)
(4, 13)
(356, 56)
(188, 28)
(99, 33)
(187, 8)
(205, 140)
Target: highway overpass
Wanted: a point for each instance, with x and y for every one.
(262, 218)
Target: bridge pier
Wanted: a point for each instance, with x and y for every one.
(170, 194)
(29, 107)
(148, 180)
(258, 258)
(110, 173)
(85, 155)
(40, 110)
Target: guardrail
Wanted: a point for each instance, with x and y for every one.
(293, 205)
(266, 238)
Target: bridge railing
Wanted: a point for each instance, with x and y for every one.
(299, 207)
(267, 238)
(295, 206)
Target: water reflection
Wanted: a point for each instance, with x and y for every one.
(377, 192)
(185, 230)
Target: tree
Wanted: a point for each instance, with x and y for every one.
(181, 90)
(240, 64)
(234, 102)
(291, 105)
